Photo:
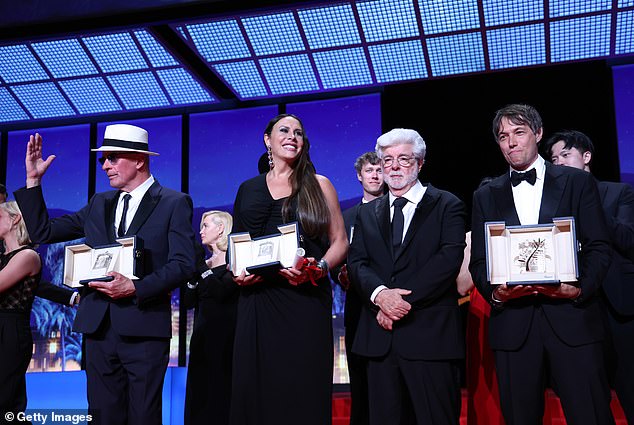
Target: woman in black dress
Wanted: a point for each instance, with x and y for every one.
(283, 352)
(215, 296)
(20, 270)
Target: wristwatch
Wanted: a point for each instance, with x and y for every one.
(323, 265)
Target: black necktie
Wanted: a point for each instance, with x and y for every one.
(530, 176)
(398, 222)
(126, 202)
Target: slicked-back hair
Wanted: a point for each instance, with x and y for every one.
(572, 139)
(518, 114)
(402, 136)
(312, 209)
(218, 217)
(367, 158)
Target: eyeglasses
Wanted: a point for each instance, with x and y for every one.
(111, 157)
(403, 161)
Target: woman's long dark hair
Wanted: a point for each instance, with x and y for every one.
(312, 209)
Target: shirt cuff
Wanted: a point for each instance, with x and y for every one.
(376, 292)
(73, 298)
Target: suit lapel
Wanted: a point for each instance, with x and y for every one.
(382, 210)
(554, 185)
(149, 201)
(109, 213)
(422, 211)
(503, 197)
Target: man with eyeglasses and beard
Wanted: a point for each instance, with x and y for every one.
(126, 322)
(405, 255)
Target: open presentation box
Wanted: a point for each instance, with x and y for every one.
(266, 254)
(526, 255)
(83, 263)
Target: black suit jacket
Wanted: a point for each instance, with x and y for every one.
(163, 223)
(567, 192)
(427, 263)
(618, 204)
(353, 304)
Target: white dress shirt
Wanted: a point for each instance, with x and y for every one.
(133, 204)
(527, 197)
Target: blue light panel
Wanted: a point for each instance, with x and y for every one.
(43, 100)
(580, 38)
(182, 87)
(65, 58)
(90, 95)
(155, 52)
(289, 74)
(273, 34)
(448, 15)
(456, 54)
(182, 32)
(330, 26)
(10, 110)
(398, 61)
(343, 68)
(219, 41)
(115, 52)
(574, 7)
(387, 19)
(516, 46)
(626, 3)
(624, 33)
(243, 77)
(17, 64)
(138, 90)
(500, 12)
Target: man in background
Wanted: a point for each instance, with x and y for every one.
(575, 149)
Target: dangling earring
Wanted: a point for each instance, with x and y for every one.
(270, 154)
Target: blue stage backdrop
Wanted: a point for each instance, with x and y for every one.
(623, 77)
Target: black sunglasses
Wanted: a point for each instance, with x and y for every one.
(111, 157)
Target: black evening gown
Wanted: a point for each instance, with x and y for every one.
(283, 352)
(208, 393)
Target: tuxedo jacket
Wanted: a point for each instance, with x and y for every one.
(568, 192)
(427, 263)
(352, 310)
(618, 204)
(162, 223)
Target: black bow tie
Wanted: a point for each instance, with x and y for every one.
(530, 176)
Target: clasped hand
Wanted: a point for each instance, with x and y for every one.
(393, 306)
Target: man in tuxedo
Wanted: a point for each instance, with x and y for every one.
(536, 329)
(575, 149)
(370, 175)
(406, 252)
(126, 322)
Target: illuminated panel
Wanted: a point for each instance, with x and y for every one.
(243, 77)
(500, 12)
(138, 90)
(516, 46)
(580, 38)
(65, 58)
(273, 34)
(43, 100)
(574, 7)
(387, 19)
(10, 110)
(18, 64)
(115, 52)
(343, 68)
(448, 15)
(90, 95)
(456, 54)
(218, 41)
(398, 61)
(182, 32)
(330, 26)
(155, 52)
(626, 3)
(624, 33)
(182, 87)
(289, 74)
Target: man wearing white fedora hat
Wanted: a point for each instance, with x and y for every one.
(126, 322)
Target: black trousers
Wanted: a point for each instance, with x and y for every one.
(125, 377)
(16, 348)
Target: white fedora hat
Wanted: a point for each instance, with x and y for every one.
(125, 138)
